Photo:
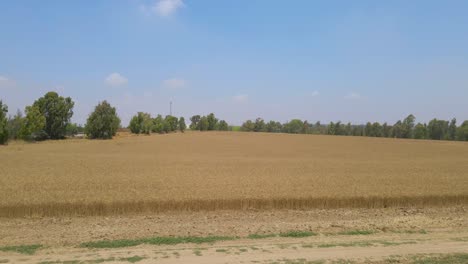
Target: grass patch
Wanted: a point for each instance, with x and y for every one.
(197, 253)
(4, 261)
(23, 249)
(350, 244)
(154, 241)
(420, 231)
(261, 236)
(297, 234)
(442, 259)
(357, 232)
(133, 259)
(221, 250)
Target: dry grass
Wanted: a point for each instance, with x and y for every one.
(226, 170)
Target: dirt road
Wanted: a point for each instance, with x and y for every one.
(401, 235)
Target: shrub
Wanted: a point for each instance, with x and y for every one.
(103, 122)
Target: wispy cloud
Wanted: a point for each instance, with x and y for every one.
(163, 8)
(174, 83)
(315, 93)
(241, 98)
(115, 79)
(353, 96)
(4, 81)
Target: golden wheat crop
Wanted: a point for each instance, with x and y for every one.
(228, 170)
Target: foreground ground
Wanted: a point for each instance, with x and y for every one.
(228, 170)
(392, 235)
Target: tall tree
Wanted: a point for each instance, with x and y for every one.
(33, 126)
(452, 129)
(420, 131)
(195, 122)
(103, 122)
(462, 131)
(407, 127)
(182, 125)
(15, 124)
(259, 125)
(212, 121)
(203, 123)
(437, 129)
(57, 111)
(223, 125)
(158, 124)
(3, 123)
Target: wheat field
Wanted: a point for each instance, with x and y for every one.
(228, 170)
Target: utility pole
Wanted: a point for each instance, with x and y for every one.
(170, 107)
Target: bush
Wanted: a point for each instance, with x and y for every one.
(141, 123)
(182, 125)
(103, 122)
(3, 123)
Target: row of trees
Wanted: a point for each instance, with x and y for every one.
(49, 118)
(207, 123)
(436, 129)
(142, 123)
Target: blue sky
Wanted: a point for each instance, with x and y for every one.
(352, 61)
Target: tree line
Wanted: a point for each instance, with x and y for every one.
(436, 129)
(49, 118)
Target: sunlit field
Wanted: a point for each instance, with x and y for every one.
(228, 170)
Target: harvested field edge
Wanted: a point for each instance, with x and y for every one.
(116, 208)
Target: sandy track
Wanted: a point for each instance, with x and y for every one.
(263, 250)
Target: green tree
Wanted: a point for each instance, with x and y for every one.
(386, 130)
(195, 122)
(182, 125)
(377, 129)
(397, 130)
(58, 111)
(452, 129)
(15, 124)
(103, 122)
(141, 123)
(259, 125)
(273, 126)
(462, 131)
(34, 124)
(158, 124)
(437, 129)
(368, 130)
(3, 123)
(294, 126)
(420, 131)
(170, 123)
(203, 123)
(212, 121)
(223, 125)
(407, 127)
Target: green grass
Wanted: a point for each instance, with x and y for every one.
(420, 231)
(133, 259)
(261, 236)
(197, 253)
(23, 249)
(154, 241)
(221, 250)
(4, 261)
(235, 128)
(461, 258)
(357, 232)
(297, 234)
(350, 244)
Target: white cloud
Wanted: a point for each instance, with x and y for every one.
(353, 96)
(174, 83)
(241, 98)
(163, 8)
(115, 79)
